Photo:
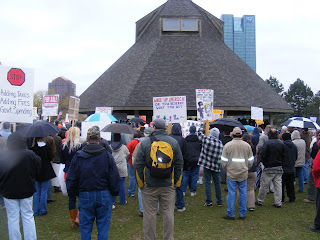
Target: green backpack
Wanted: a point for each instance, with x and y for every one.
(161, 159)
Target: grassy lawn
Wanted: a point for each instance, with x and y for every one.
(292, 221)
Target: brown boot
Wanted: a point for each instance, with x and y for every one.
(74, 218)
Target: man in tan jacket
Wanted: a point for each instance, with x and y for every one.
(236, 159)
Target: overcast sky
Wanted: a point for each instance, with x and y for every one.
(81, 39)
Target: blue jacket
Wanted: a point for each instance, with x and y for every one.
(92, 169)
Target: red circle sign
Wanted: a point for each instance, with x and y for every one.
(16, 76)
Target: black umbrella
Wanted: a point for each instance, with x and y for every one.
(226, 122)
(40, 129)
(119, 128)
(137, 120)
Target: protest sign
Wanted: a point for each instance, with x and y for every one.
(172, 109)
(50, 105)
(16, 95)
(204, 98)
(86, 125)
(107, 110)
(256, 113)
(73, 112)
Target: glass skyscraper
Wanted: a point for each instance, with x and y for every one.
(240, 37)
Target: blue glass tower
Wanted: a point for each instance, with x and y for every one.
(240, 37)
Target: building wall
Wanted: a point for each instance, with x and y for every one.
(63, 87)
(240, 37)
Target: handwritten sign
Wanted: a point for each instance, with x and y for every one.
(204, 98)
(172, 109)
(256, 113)
(16, 94)
(104, 110)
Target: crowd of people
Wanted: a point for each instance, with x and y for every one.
(161, 165)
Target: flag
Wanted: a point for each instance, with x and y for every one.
(60, 113)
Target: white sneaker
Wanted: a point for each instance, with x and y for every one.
(193, 194)
(113, 206)
(181, 210)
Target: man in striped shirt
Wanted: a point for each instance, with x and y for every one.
(236, 159)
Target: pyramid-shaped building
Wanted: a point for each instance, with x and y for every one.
(179, 48)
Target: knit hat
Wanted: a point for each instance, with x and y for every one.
(214, 132)
(159, 123)
(192, 129)
(237, 132)
(286, 136)
(93, 133)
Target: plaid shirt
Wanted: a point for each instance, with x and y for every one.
(210, 156)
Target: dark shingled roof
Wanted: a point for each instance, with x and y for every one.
(175, 64)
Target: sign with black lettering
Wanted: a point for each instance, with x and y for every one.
(16, 94)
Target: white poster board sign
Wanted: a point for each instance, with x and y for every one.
(172, 109)
(186, 126)
(16, 94)
(50, 105)
(256, 113)
(86, 125)
(104, 110)
(204, 98)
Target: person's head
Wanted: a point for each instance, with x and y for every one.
(247, 138)
(147, 131)
(159, 124)
(267, 129)
(226, 132)
(273, 133)
(6, 125)
(57, 122)
(286, 136)
(192, 129)
(284, 129)
(200, 104)
(93, 135)
(116, 137)
(73, 135)
(237, 132)
(214, 132)
(16, 141)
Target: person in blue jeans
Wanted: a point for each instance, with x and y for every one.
(237, 159)
(210, 160)
(190, 176)
(176, 133)
(300, 162)
(93, 175)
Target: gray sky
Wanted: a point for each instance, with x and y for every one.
(81, 39)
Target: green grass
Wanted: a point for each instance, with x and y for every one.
(292, 221)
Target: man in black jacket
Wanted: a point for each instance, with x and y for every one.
(19, 166)
(272, 156)
(176, 133)
(288, 167)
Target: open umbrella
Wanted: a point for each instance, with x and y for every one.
(101, 117)
(226, 123)
(301, 122)
(40, 129)
(119, 128)
(137, 120)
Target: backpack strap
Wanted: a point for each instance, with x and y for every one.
(153, 139)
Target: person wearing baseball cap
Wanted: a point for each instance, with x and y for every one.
(93, 175)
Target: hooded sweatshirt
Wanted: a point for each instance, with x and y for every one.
(93, 169)
(19, 167)
(176, 133)
(290, 158)
(194, 148)
(120, 154)
(301, 147)
(255, 139)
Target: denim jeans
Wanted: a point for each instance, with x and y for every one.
(15, 208)
(207, 173)
(231, 198)
(49, 191)
(190, 177)
(180, 201)
(95, 205)
(40, 198)
(122, 192)
(306, 172)
(140, 200)
(132, 180)
(299, 174)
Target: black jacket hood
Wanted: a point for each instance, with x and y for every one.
(176, 129)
